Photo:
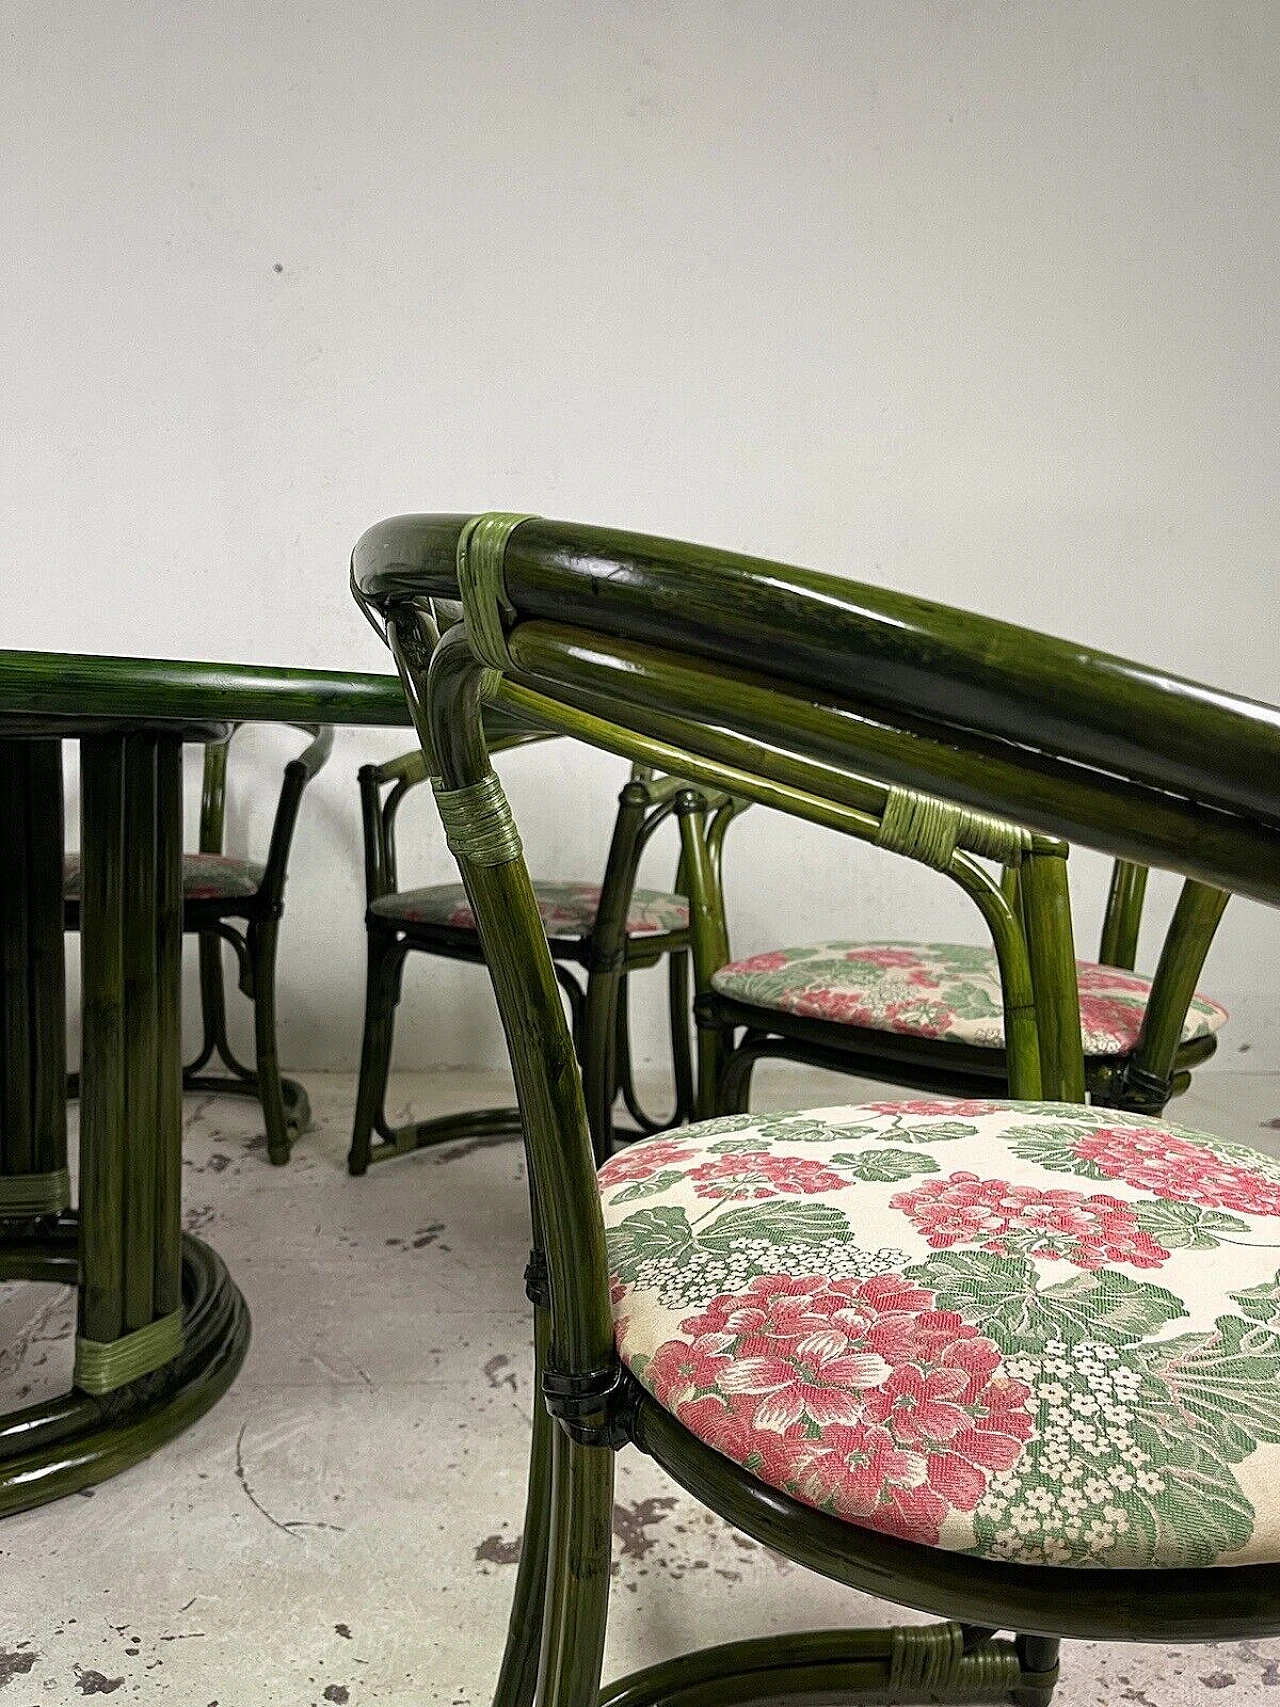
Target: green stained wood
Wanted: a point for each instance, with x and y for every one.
(1101, 750)
(47, 966)
(47, 685)
(168, 1099)
(796, 690)
(102, 1105)
(144, 1139)
(16, 1114)
(1123, 917)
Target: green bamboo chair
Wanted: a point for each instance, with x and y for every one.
(227, 899)
(1023, 1403)
(930, 1015)
(599, 934)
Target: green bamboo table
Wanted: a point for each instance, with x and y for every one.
(161, 1328)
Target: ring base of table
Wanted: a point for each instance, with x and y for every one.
(74, 1440)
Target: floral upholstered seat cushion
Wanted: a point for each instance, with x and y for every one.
(205, 877)
(1036, 1332)
(566, 909)
(949, 991)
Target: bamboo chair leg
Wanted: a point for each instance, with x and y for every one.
(733, 1094)
(375, 1049)
(518, 1677)
(681, 1047)
(262, 948)
(213, 1011)
(681, 1051)
(578, 1577)
(598, 1058)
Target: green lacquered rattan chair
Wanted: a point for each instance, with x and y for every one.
(930, 1015)
(599, 935)
(227, 899)
(913, 1346)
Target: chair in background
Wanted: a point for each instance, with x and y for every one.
(600, 933)
(929, 1014)
(908, 1345)
(226, 899)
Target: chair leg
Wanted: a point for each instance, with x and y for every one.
(578, 1575)
(681, 1049)
(375, 1049)
(1038, 1657)
(213, 1022)
(518, 1678)
(262, 949)
(735, 1085)
(597, 1054)
(681, 1053)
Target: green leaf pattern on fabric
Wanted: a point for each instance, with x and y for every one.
(1012, 1345)
(940, 990)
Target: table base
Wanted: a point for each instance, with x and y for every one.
(71, 1442)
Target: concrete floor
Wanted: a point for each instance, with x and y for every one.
(343, 1526)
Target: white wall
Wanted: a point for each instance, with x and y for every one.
(973, 299)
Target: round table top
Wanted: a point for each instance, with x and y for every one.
(47, 693)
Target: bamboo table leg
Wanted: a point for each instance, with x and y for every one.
(161, 1329)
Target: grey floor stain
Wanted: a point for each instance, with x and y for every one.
(16, 1664)
(1218, 1680)
(632, 1525)
(338, 1692)
(495, 1551)
(94, 1683)
(494, 1371)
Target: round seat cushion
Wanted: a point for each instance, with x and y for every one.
(205, 877)
(1036, 1332)
(566, 909)
(949, 991)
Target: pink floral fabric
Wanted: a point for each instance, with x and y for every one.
(205, 877)
(566, 909)
(1038, 1332)
(938, 990)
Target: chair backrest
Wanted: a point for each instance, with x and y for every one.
(297, 773)
(789, 687)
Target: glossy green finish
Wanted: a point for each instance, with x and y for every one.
(814, 685)
(123, 1250)
(1119, 946)
(904, 1665)
(286, 1108)
(253, 939)
(70, 1442)
(39, 688)
(518, 1674)
(33, 1123)
(592, 970)
(1146, 1080)
(911, 658)
(724, 1071)
(939, 699)
(161, 1329)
